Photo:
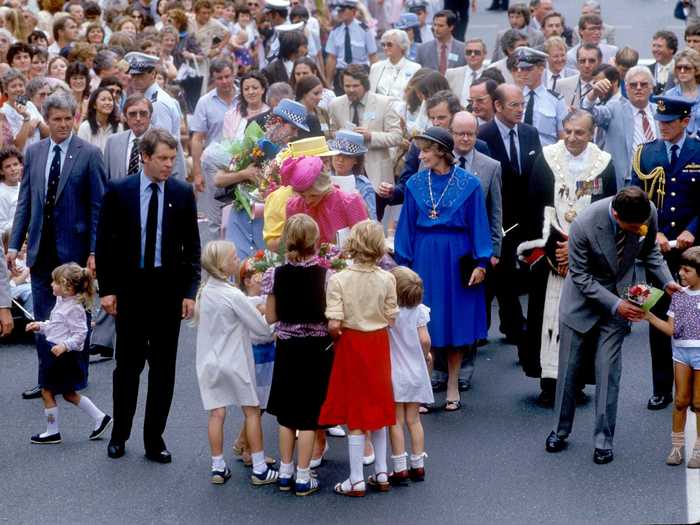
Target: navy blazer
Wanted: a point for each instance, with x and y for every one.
(411, 167)
(78, 200)
(119, 237)
(681, 204)
(514, 187)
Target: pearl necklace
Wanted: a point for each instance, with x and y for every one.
(433, 214)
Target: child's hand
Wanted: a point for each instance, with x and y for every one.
(57, 350)
(429, 359)
(32, 327)
(334, 328)
(261, 308)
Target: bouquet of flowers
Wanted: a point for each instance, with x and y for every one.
(263, 260)
(257, 150)
(644, 296)
(331, 257)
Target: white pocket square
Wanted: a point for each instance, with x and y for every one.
(531, 153)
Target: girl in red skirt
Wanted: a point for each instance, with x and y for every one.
(360, 305)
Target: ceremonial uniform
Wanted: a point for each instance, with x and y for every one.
(670, 174)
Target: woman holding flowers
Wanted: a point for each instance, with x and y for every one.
(251, 102)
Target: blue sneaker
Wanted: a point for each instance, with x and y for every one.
(306, 489)
(285, 484)
(265, 478)
(219, 477)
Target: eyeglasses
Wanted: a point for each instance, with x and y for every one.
(472, 52)
(387, 44)
(465, 134)
(137, 114)
(516, 105)
(684, 67)
(638, 85)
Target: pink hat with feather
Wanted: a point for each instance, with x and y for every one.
(301, 172)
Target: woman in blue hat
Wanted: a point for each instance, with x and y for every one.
(348, 168)
(443, 235)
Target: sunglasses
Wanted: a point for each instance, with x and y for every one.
(472, 52)
(387, 44)
(638, 85)
(252, 4)
(684, 67)
(137, 114)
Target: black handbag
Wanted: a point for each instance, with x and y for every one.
(466, 267)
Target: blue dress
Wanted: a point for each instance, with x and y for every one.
(245, 233)
(433, 247)
(694, 124)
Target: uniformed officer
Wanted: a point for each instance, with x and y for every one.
(349, 43)
(166, 110)
(668, 169)
(420, 9)
(544, 109)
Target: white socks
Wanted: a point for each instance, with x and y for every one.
(218, 463)
(417, 460)
(51, 421)
(356, 448)
(286, 470)
(303, 475)
(677, 439)
(379, 442)
(259, 465)
(400, 463)
(90, 408)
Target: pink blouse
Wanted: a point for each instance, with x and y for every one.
(337, 210)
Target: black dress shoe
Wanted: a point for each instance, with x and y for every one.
(482, 342)
(546, 399)
(601, 456)
(554, 443)
(581, 397)
(659, 402)
(115, 450)
(161, 456)
(32, 393)
(463, 385)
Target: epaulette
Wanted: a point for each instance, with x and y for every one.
(556, 95)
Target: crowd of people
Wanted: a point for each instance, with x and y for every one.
(356, 212)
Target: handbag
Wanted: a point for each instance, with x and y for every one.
(466, 267)
(551, 246)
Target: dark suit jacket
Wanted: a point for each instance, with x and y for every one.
(660, 88)
(78, 200)
(515, 207)
(119, 237)
(412, 165)
(276, 72)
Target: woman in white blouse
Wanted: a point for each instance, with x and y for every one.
(391, 75)
(102, 119)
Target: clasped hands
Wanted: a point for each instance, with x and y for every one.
(631, 312)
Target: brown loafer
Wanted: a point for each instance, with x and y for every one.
(416, 474)
(399, 478)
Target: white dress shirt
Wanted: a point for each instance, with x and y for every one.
(64, 151)
(639, 137)
(470, 75)
(505, 136)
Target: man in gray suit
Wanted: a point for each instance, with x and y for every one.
(122, 159)
(604, 243)
(488, 171)
(445, 51)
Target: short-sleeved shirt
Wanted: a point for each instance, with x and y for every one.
(685, 311)
(208, 116)
(166, 110)
(548, 114)
(361, 41)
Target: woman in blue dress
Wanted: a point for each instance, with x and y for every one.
(443, 235)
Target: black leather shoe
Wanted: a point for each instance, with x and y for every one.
(601, 456)
(659, 402)
(554, 443)
(161, 456)
(115, 450)
(32, 393)
(546, 399)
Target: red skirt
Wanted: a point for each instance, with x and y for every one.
(360, 393)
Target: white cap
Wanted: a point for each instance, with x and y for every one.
(277, 4)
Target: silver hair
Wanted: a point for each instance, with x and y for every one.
(278, 91)
(639, 70)
(34, 85)
(399, 37)
(593, 4)
(11, 75)
(59, 101)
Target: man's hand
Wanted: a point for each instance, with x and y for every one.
(11, 257)
(494, 261)
(630, 311)
(6, 322)
(386, 190)
(251, 173)
(32, 327)
(662, 241)
(91, 266)
(672, 288)
(562, 253)
(478, 276)
(198, 182)
(109, 304)
(600, 89)
(563, 269)
(187, 308)
(685, 240)
(58, 349)
(334, 328)
(367, 134)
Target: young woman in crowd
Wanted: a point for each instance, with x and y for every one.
(102, 118)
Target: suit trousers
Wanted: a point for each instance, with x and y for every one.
(461, 9)
(608, 369)
(660, 344)
(148, 327)
(505, 283)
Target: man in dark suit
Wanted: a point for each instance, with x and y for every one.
(516, 146)
(58, 206)
(664, 45)
(673, 162)
(148, 260)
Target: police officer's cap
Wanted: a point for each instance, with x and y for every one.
(407, 21)
(416, 5)
(526, 57)
(140, 62)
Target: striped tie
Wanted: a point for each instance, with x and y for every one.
(646, 127)
(620, 239)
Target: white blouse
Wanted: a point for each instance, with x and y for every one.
(100, 139)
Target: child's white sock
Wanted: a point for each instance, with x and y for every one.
(677, 439)
(356, 448)
(94, 412)
(51, 421)
(218, 463)
(259, 465)
(286, 470)
(379, 442)
(417, 460)
(400, 463)
(303, 475)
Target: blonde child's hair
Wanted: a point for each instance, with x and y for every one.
(73, 278)
(366, 242)
(301, 236)
(409, 287)
(214, 257)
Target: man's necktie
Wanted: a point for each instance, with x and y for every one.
(554, 82)
(530, 108)
(355, 113)
(149, 256)
(646, 127)
(474, 77)
(443, 59)
(620, 239)
(514, 153)
(134, 158)
(52, 188)
(348, 47)
(674, 156)
(463, 163)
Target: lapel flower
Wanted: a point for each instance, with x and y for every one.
(643, 230)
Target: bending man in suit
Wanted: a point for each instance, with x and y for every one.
(58, 206)
(148, 259)
(605, 240)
